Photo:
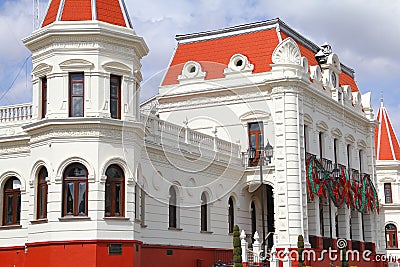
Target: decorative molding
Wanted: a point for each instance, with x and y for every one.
(350, 139)
(76, 64)
(287, 52)
(42, 69)
(336, 133)
(117, 68)
(254, 115)
(308, 120)
(322, 126)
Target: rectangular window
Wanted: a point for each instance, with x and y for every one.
(388, 192)
(115, 96)
(44, 96)
(335, 151)
(76, 94)
(360, 158)
(305, 138)
(349, 159)
(256, 141)
(321, 145)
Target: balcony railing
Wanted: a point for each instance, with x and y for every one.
(15, 113)
(169, 134)
(254, 163)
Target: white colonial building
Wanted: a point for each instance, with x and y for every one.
(88, 177)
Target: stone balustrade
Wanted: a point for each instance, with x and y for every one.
(15, 113)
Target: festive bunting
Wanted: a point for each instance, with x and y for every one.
(357, 193)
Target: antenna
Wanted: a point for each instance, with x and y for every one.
(36, 14)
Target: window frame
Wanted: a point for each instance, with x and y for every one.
(42, 195)
(118, 97)
(388, 194)
(16, 195)
(71, 95)
(172, 208)
(113, 182)
(231, 214)
(391, 239)
(259, 141)
(43, 81)
(75, 181)
(204, 213)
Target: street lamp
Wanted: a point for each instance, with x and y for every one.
(269, 152)
(330, 176)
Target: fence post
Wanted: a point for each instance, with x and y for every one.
(256, 248)
(244, 248)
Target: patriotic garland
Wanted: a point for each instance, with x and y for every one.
(361, 195)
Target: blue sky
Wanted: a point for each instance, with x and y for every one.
(365, 35)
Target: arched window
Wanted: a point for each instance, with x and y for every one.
(41, 210)
(253, 219)
(75, 188)
(231, 215)
(204, 212)
(115, 192)
(172, 208)
(391, 236)
(12, 202)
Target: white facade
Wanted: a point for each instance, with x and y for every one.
(197, 146)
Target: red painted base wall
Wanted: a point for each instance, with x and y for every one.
(183, 256)
(75, 253)
(95, 254)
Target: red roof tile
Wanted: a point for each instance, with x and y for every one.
(76, 10)
(258, 46)
(51, 13)
(109, 11)
(386, 143)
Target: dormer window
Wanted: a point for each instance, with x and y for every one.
(115, 96)
(76, 94)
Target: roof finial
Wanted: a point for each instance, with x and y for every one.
(381, 98)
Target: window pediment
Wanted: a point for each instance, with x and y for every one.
(117, 68)
(336, 133)
(42, 69)
(76, 65)
(308, 119)
(255, 115)
(322, 126)
(350, 139)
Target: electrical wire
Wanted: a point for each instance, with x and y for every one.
(16, 77)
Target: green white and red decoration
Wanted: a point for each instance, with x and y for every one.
(358, 193)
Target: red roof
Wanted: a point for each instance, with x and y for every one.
(110, 11)
(257, 45)
(386, 143)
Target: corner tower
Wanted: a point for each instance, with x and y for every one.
(86, 61)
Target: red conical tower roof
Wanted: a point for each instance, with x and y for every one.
(110, 11)
(386, 143)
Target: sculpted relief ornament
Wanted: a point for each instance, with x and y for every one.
(287, 52)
